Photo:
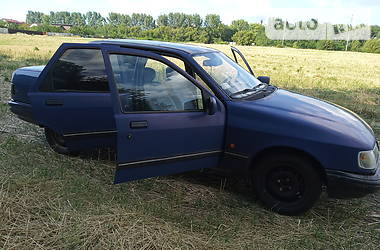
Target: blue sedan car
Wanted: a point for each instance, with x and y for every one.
(169, 108)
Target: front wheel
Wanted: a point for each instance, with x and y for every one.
(57, 143)
(287, 184)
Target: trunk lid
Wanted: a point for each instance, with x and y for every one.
(22, 80)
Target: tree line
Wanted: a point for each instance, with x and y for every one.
(181, 27)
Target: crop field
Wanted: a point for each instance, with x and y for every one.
(52, 201)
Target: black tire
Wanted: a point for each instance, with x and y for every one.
(287, 184)
(57, 143)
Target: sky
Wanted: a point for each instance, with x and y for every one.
(333, 11)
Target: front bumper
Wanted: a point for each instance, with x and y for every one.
(22, 110)
(343, 185)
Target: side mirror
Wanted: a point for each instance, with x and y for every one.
(264, 79)
(211, 105)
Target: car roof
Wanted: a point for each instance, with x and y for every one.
(157, 45)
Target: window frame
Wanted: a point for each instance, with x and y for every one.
(158, 56)
(50, 66)
(189, 70)
(216, 91)
(190, 79)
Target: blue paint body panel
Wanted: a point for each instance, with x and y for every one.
(174, 142)
(26, 78)
(136, 173)
(330, 134)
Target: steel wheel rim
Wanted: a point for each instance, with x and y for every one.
(285, 184)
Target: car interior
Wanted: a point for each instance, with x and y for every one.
(148, 85)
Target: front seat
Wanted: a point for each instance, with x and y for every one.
(157, 94)
(149, 75)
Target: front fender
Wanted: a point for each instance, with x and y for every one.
(252, 129)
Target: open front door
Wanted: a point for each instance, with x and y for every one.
(161, 118)
(240, 59)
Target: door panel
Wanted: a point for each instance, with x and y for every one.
(69, 113)
(124, 174)
(78, 116)
(73, 99)
(163, 127)
(181, 137)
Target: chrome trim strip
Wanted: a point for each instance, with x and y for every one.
(168, 158)
(91, 133)
(237, 155)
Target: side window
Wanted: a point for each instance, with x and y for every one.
(181, 65)
(149, 85)
(200, 80)
(77, 70)
(177, 62)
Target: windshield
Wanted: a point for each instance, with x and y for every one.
(230, 76)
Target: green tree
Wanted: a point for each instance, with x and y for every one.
(239, 25)
(204, 37)
(46, 20)
(196, 21)
(375, 31)
(372, 46)
(78, 19)
(34, 17)
(3, 24)
(244, 37)
(212, 21)
(325, 45)
(142, 20)
(356, 46)
(163, 20)
(213, 26)
(118, 19)
(177, 20)
(226, 32)
(94, 19)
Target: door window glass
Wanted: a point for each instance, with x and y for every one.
(77, 70)
(200, 80)
(177, 62)
(149, 85)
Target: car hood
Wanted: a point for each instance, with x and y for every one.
(38, 68)
(316, 114)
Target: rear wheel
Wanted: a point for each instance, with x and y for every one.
(57, 143)
(287, 184)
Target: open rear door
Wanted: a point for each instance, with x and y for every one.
(240, 59)
(160, 112)
(72, 98)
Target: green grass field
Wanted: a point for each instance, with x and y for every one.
(53, 201)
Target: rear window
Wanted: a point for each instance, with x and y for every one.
(77, 70)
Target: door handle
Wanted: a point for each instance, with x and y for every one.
(54, 102)
(139, 124)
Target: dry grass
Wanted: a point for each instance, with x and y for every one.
(53, 201)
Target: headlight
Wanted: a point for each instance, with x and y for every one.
(368, 159)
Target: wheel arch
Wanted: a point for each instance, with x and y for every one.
(290, 150)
